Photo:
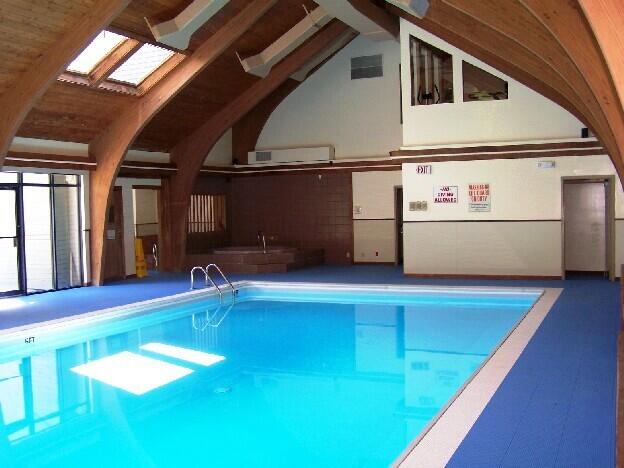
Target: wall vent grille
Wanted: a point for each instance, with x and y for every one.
(367, 66)
(263, 156)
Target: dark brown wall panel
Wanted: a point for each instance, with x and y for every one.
(296, 210)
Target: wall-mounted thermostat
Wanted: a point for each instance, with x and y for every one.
(418, 206)
(357, 209)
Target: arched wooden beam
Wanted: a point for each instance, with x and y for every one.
(20, 98)
(246, 131)
(191, 152)
(513, 21)
(606, 18)
(110, 148)
(568, 24)
(377, 15)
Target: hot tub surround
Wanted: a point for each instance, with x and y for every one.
(252, 259)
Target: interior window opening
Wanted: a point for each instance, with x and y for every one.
(431, 74)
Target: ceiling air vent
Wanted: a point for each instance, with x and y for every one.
(263, 156)
(367, 66)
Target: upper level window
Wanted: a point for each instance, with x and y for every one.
(142, 64)
(431, 74)
(103, 44)
(480, 85)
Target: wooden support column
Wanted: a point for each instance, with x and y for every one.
(190, 153)
(110, 148)
(19, 99)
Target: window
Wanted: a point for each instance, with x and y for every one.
(368, 66)
(480, 85)
(207, 213)
(431, 73)
(95, 52)
(143, 63)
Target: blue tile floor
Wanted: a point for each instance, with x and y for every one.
(555, 408)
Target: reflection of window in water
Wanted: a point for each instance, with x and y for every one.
(431, 74)
(480, 85)
(37, 393)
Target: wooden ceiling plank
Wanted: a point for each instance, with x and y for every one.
(113, 61)
(190, 153)
(110, 147)
(19, 99)
(569, 26)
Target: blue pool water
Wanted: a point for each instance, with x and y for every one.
(286, 376)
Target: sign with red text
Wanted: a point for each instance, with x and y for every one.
(445, 194)
(479, 198)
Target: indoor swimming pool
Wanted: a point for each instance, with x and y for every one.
(280, 375)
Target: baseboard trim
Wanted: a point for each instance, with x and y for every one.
(131, 276)
(485, 277)
(374, 263)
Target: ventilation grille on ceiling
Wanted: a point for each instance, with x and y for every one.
(263, 156)
(368, 66)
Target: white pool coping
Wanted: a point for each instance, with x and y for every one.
(437, 443)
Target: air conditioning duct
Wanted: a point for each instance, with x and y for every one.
(291, 155)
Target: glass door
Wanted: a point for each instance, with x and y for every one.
(9, 242)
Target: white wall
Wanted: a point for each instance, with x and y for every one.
(360, 118)
(145, 207)
(374, 227)
(221, 153)
(524, 235)
(128, 212)
(526, 115)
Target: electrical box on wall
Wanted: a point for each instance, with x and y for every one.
(418, 205)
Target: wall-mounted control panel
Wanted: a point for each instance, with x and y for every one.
(418, 206)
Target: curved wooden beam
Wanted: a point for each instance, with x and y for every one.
(606, 18)
(568, 25)
(110, 148)
(513, 21)
(20, 98)
(190, 153)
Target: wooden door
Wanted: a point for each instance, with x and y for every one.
(114, 266)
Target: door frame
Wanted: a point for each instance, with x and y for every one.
(398, 236)
(609, 181)
(21, 257)
(159, 213)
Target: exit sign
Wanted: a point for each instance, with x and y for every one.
(423, 169)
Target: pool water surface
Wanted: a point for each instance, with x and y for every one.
(341, 377)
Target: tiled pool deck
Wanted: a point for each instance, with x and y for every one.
(555, 408)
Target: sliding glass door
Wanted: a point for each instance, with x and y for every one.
(9, 242)
(40, 232)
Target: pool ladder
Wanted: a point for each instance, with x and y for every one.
(208, 278)
(215, 319)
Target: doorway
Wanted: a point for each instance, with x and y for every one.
(146, 204)
(398, 218)
(115, 264)
(588, 237)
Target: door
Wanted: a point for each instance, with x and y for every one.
(114, 264)
(585, 226)
(10, 281)
(398, 216)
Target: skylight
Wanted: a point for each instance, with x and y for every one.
(95, 52)
(142, 64)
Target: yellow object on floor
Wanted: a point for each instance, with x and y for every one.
(141, 266)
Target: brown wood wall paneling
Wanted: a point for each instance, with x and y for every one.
(295, 210)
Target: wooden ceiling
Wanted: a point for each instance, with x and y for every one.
(550, 46)
(70, 112)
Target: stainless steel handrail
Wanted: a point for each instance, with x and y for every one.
(193, 278)
(213, 265)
